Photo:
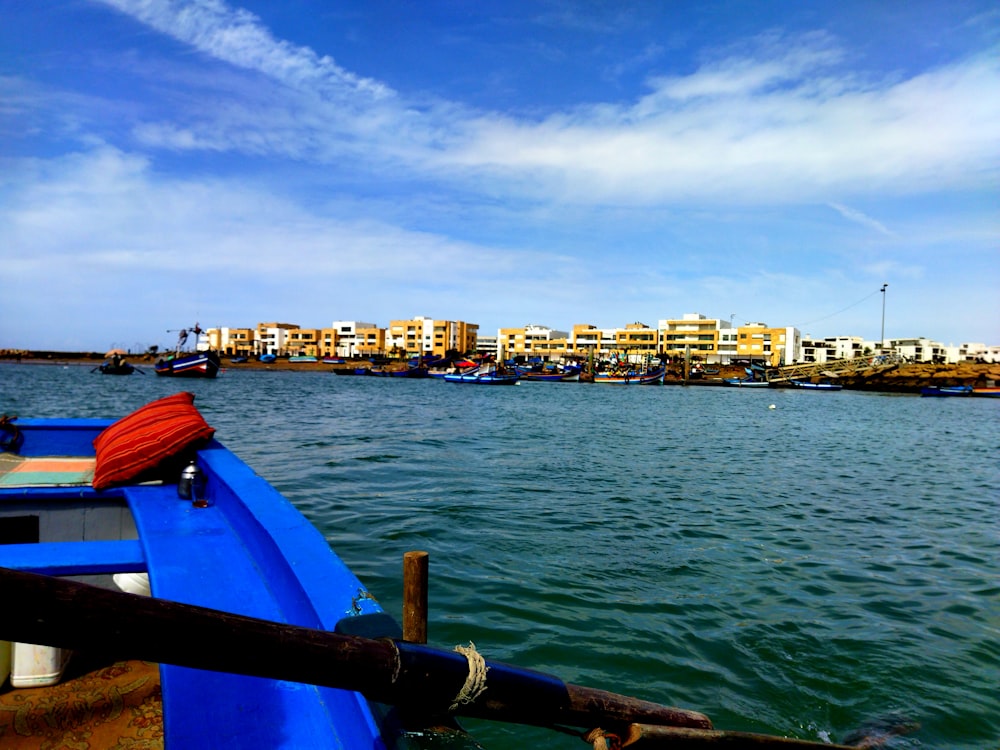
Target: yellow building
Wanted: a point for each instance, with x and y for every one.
(327, 343)
(637, 340)
(693, 334)
(423, 336)
(303, 342)
(235, 342)
(533, 341)
(771, 346)
(369, 342)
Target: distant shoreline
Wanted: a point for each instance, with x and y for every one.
(906, 378)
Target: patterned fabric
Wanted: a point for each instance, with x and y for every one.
(149, 439)
(116, 707)
(50, 471)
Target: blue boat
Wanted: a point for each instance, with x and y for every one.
(247, 551)
(260, 636)
(197, 365)
(945, 390)
(483, 377)
(806, 385)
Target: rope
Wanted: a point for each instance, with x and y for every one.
(475, 683)
(602, 740)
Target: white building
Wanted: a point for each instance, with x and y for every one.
(347, 336)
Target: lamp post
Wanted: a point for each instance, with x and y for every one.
(881, 342)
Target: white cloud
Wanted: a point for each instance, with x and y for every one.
(859, 217)
(779, 120)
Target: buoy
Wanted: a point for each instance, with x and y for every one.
(772, 406)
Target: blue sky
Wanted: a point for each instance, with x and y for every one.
(505, 163)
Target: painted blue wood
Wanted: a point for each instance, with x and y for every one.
(74, 558)
(249, 552)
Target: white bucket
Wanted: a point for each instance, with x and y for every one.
(37, 666)
(132, 583)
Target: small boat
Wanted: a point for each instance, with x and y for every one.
(946, 390)
(746, 383)
(631, 377)
(264, 560)
(550, 374)
(483, 377)
(986, 392)
(816, 386)
(194, 365)
(122, 368)
(303, 359)
(216, 616)
(350, 370)
(268, 359)
(334, 361)
(237, 360)
(399, 372)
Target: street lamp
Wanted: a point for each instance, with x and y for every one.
(881, 342)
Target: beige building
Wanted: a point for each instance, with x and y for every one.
(695, 335)
(770, 346)
(422, 336)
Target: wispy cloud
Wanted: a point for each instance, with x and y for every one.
(777, 120)
(859, 217)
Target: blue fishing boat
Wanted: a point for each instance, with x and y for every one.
(483, 377)
(631, 376)
(209, 588)
(945, 390)
(806, 385)
(195, 365)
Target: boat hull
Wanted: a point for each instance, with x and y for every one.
(817, 386)
(483, 378)
(197, 365)
(946, 391)
(248, 552)
(653, 377)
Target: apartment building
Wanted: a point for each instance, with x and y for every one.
(346, 336)
(236, 342)
(771, 346)
(533, 341)
(421, 336)
(698, 335)
(272, 338)
(637, 340)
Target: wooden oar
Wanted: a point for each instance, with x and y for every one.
(644, 737)
(56, 612)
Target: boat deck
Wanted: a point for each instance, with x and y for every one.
(228, 557)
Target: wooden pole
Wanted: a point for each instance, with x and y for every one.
(642, 736)
(57, 612)
(415, 566)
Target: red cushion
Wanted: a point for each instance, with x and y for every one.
(148, 439)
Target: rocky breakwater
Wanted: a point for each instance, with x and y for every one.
(910, 378)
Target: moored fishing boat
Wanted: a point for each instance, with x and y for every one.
(946, 390)
(986, 392)
(631, 377)
(483, 377)
(746, 383)
(181, 364)
(806, 385)
(236, 545)
(175, 540)
(195, 365)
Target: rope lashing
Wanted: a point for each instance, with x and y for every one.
(602, 740)
(475, 683)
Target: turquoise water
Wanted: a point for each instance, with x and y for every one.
(802, 570)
